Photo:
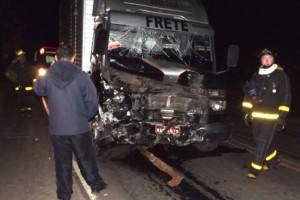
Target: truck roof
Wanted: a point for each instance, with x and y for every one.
(189, 10)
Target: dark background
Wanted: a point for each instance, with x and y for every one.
(27, 24)
(252, 24)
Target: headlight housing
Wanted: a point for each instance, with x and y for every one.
(217, 105)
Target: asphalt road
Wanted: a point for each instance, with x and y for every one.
(26, 158)
(27, 167)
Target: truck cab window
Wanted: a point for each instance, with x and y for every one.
(178, 47)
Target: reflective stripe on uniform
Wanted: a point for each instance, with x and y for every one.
(284, 108)
(28, 88)
(27, 108)
(279, 68)
(264, 115)
(272, 155)
(247, 104)
(255, 166)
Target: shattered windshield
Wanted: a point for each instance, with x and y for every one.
(179, 47)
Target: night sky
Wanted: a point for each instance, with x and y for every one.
(257, 24)
(27, 24)
(252, 24)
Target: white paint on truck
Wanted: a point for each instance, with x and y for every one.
(87, 34)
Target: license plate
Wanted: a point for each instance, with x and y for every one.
(173, 130)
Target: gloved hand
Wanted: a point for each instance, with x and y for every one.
(280, 124)
(247, 120)
(250, 89)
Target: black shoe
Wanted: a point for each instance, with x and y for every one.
(97, 190)
(65, 198)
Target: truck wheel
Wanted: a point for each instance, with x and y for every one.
(207, 145)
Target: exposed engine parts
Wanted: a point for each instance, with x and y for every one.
(150, 91)
(144, 111)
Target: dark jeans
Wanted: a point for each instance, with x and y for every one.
(81, 146)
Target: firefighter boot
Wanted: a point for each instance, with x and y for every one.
(22, 112)
(254, 170)
(29, 113)
(272, 160)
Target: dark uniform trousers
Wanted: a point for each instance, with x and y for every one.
(81, 146)
(264, 132)
(25, 95)
(21, 73)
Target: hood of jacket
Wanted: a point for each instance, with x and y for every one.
(63, 73)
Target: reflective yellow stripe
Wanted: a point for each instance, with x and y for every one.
(279, 68)
(27, 108)
(34, 80)
(28, 88)
(284, 108)
(272, 155)
(264, 115)
(247, 104)
(255, 166)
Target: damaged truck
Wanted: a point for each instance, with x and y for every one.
(154, 65)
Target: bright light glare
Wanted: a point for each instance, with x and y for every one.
(42, 51)
(42, 72)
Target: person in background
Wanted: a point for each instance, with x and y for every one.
(20, 72)
(72, 102)
(266, 105)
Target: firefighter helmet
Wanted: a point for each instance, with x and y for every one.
(20, 52)
(267, 51)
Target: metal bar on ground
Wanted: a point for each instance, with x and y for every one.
(176, 176)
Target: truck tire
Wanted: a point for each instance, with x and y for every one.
(207, 145)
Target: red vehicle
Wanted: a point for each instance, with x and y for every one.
(44, 57)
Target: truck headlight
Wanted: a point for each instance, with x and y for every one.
(217, 105)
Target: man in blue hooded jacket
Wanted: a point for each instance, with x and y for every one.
(72, 102)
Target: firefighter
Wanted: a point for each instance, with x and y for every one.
(20, 72)
(266, 105)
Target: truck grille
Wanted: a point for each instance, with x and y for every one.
(175, 103)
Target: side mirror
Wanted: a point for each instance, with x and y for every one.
(233, 55)
(99, 7)
(100, 41)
